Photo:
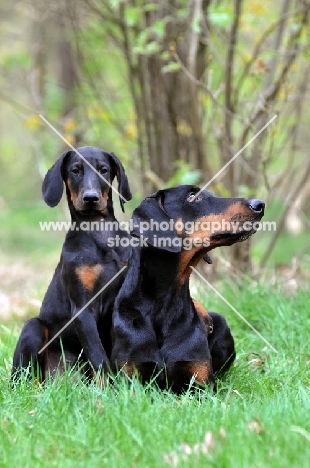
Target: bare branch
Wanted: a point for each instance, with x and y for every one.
(156, 181)
(260, 42)
(230, 63)
(193, 46)
(271, 92)
(276, 45)
(280, 225)
(105, 16)
(203, 86)
(21, 107)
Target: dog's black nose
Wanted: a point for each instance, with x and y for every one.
(90, 196)
(258, 206)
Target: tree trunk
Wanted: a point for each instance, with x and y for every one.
(67, 69)
(170, 114)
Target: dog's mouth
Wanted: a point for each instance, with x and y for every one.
(241, 229)
(91, 208)
(90, 212)
(228, 238)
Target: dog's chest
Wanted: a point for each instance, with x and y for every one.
(179, 332)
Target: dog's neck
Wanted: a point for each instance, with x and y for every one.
(175, 268)
(188, 259)
(154, 275)
(159, 276)
(160, 266)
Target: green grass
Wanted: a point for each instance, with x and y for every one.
(258, 418)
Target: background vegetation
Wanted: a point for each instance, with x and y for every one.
(175, 88)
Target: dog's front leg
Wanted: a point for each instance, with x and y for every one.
(87, 331)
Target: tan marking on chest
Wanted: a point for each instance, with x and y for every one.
(204, 315)
(88, 275)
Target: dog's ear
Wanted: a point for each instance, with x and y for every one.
(150, 220)
(52, 186)
(123, 185)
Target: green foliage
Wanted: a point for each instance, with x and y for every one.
(221, 16)
(159, 28)
(182, 13)
(104, 114)
(196, 26)
(132, 16)
(171, 67)
(17, 60)
(151, 7)
(53, 100)
(184, 175)
(147, 41)
(148, 49)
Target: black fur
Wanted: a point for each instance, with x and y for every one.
(157, 328)
(87, 263)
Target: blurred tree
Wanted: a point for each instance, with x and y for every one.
(211, 74)
(65, 18)
(169, 116)
(185, 84)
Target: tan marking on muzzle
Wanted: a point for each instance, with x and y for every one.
(73, 195)
(179, 226)
(203, 232)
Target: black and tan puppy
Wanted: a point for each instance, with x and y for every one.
(157, 329)
(87, 263)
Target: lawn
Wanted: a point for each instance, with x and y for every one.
(258, 418)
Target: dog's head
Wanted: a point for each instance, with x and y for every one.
(88, 175)
(183, 219)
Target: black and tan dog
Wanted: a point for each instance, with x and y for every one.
(87, 263)
(157, 329)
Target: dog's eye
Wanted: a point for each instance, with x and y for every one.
(194, 197)
(75, 170)
(103, 170)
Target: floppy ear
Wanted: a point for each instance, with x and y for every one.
(52, 186)
(152, 210)
(123, 185)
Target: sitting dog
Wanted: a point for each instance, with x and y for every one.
(157, 330)
(87, 263)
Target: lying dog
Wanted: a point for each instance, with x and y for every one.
(86, 265)
(157, 330)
